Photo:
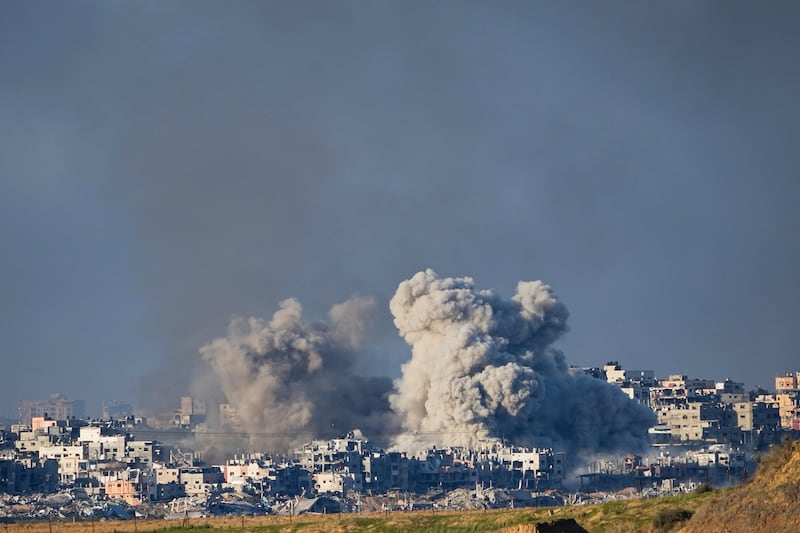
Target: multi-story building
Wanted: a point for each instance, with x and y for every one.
(788, 382)
(729, 392)
(385, 470)
(789, 409)
(692, 421)
(201, 481)
(757, 416)
(26, 472)
(71, 468)
(191, 413)
(58, 407)
(330, 455)
(141, 453)
(340, 483)
(116, 409)
(131, 492)
(637, 384)
(540, 465)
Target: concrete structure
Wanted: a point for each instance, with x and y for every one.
(339, 483)
(252, 467)
(730, 387)
(538, 463)
(788, 382)
(385, 470)
(58, 407)
(789, 409)
(334, 454)
(166, 475)
(141, 452)
(124, 489)
(116, 409)
(191, 413)
(693, 421)
(28, 473)
(757, 415)
(228, 416)
(635, 383)
(198, 481)
(71, 468)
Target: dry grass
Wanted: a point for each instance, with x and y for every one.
(623, 516)
(769, 502)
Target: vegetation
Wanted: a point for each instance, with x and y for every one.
(613, 517)
(667, 519)
(768, 502)
(705, 487)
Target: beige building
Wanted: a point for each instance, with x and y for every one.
(58, 407)
(334, 483)
(693, 421)
(72, 468)
(787, 382)
(198, 481)
(166, 475)
(757, 415)
(124, 489)
(789, 409)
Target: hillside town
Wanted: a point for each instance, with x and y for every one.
(56, 462)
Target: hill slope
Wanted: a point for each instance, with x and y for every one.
(769, 502)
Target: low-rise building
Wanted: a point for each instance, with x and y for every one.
(757, 415)
(201, 481)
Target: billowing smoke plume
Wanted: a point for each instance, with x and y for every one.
(290, 380)
(483, 368)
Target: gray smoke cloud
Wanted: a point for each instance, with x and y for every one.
(291, 380)
(483, 368)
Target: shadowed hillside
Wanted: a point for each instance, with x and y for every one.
(770, 502)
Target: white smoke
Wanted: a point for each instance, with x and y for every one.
(483, 368)
(292, 380)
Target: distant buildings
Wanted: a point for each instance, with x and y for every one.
(704, 411)
(229, 417)
(52, 446)
(58, 407)
(116, 409)
(190, 414)
(787, 394)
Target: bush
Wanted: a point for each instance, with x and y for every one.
(703, 487)
(666, 519)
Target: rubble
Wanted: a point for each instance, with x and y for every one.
(72, 505)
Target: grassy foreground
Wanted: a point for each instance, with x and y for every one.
(614, 517)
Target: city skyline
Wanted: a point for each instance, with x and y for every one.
(166, 167)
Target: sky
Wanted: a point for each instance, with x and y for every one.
(165, 166)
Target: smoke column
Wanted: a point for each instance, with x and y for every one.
(291, 381)
(483, 368)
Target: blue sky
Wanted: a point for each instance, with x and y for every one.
(166, 165)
